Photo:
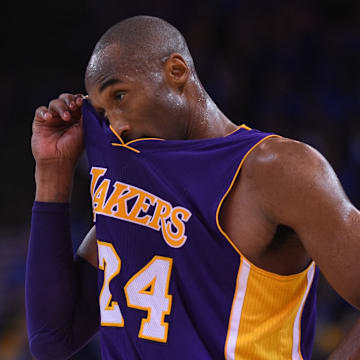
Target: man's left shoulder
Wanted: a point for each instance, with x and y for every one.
(280, 156)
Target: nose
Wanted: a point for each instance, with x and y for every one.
(121, 130)
(118, 124)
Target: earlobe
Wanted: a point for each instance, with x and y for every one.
(176, 70)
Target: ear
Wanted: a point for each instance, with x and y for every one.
(176, 71)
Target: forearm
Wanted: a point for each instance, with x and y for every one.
(54, 181)
(349, 349)
(61, 294)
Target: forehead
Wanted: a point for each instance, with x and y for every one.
(126, 66)
(108, 62)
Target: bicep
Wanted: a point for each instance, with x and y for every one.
(305, 194)
(328, 226)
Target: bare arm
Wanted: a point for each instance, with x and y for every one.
(349, 349)
(295, 186)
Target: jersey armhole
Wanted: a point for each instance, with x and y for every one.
(227, 237)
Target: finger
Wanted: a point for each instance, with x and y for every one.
(42, 113)
(79, 99)
(69, 100)
(76, 110)
(59, 108)
(74, 102)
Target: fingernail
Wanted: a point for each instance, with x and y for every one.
(67, 114)
(47, 116)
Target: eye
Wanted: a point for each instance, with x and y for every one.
(119, 95)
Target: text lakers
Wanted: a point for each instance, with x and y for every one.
(129, 203)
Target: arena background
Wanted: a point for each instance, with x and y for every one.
(291, 67)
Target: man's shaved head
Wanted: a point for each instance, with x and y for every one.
(143, 41)
(142, 78)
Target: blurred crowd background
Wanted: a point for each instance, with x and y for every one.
(290, 67)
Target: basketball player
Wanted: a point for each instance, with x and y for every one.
(207, 234)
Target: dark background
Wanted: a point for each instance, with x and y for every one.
(290, 67)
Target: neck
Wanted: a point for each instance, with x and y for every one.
(206, 120)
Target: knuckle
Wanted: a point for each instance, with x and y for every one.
(56, 104)
(66, 96)
(52, 103)
(39, 110)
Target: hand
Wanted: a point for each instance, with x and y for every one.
(57, 143)
(57, 130)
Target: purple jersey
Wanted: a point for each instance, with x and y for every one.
(171, 282)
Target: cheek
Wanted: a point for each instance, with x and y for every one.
(160, 112)
(170, 104)
(151, 107)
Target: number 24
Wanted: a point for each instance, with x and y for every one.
(146, 290)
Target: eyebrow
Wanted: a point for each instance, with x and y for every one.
(108, 83)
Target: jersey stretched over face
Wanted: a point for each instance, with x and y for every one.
(171, 283)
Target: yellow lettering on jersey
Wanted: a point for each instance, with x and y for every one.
(177, 239)
(113, 205)
(161, 213)
(142, 205)
(121, 212)
(96, 173)
(170, 220)
(100, 195)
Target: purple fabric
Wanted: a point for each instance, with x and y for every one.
(195, 175)
(60, 291)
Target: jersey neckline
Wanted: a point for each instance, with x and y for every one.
(127, 144)
(119, 142)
